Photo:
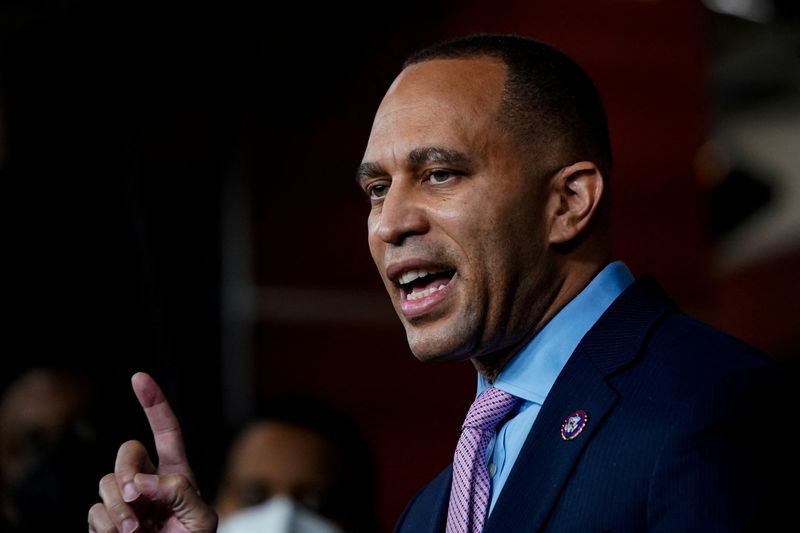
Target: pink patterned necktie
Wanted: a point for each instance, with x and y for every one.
(469, 495)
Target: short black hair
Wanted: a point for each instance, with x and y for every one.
(548, 99)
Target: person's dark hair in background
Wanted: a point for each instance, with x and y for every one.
(307, 450)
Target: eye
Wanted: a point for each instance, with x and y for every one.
(377, 190)
(440, 176)
(252, 493)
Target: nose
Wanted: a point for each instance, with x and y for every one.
(402, 215)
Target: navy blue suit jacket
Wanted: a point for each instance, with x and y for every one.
(684, 433)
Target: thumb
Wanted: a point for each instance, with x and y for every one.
(179, 500)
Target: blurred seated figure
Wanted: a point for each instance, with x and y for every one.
(48, 456)
(299, 467)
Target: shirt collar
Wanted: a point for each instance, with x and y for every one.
(531, 373)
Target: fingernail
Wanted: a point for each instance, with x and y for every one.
(129, 492)
(146, 481)
(129, 525)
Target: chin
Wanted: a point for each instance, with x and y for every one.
(438, 346)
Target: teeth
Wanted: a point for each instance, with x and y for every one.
(411, 275)
(423, 294)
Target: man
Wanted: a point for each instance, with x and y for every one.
(49, 450)
(600, 406)
(299, 464)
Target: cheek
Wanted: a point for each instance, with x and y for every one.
(376, 251)
(373, 220)
(471, 226)
(374, 243)
(507, 241)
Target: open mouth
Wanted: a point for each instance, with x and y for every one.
(419, 284)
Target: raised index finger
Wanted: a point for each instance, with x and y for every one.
(164, 425)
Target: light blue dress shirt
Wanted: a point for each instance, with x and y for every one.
(532, 372)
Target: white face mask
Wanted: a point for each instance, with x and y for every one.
(277, 515)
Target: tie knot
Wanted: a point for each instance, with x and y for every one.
(489, 408)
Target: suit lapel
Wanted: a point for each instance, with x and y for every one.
(441, 500)
(427, 512)
(546, 459)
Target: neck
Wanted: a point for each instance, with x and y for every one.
(570, 285)
(491, 364)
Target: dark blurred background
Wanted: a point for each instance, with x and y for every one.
(179, 197)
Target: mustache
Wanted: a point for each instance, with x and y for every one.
(419, 250)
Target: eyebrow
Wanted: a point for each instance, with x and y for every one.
(415, 159)
(369, 170)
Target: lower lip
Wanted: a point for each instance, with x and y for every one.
(417, 308)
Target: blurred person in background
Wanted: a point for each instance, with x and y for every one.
(48, 451)
(299, 466)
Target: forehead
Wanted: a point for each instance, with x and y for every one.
(438, 102)
(274, 447)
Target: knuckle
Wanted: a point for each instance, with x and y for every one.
(177, 482)
(99, 521)
(131, 450)
(94, 511)
(106, 480)
(131, 457)
(131, 446)
(211, 517)
(119, 511)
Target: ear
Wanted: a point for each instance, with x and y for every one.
(575, 193)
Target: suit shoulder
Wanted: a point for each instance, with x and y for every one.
(427, 509)
(699, 345)
(699, 369)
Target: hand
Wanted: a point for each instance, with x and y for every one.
(142, 497)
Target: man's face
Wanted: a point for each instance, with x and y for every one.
(273, 458)
(457, 226)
